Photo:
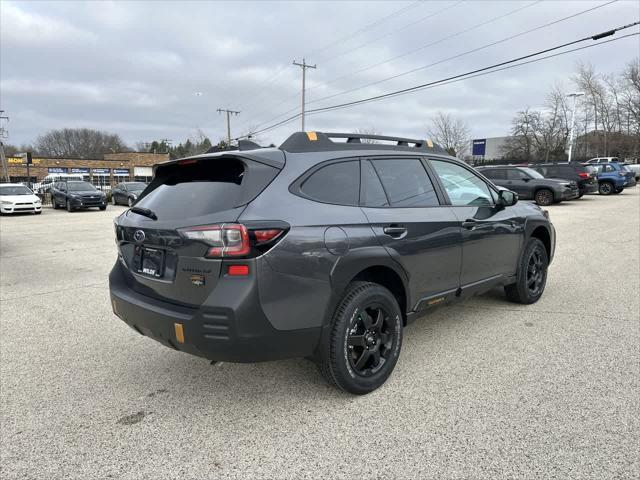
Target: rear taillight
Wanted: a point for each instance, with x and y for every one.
(226, 240)
(583, 174)
(622, 173)
(232, 239)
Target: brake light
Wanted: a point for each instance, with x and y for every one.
(226, 240)
(187, 162)
(583, 174)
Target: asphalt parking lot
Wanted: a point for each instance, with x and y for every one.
(483, 389)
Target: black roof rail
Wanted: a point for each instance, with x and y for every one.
(300, 142)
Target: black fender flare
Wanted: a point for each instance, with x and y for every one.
(344, 270)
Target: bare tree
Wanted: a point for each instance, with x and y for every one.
(79, 143)
(452, 134)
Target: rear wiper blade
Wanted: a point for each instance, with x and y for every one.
(145, 212)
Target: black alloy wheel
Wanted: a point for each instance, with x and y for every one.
(605, 188)
(531, 277)
(370, 339)
(544, 197)
(362, 345)
(535, 271)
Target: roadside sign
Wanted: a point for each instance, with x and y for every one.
(479, 147)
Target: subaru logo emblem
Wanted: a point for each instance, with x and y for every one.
(139, 236)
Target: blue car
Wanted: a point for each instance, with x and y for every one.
(613, 178)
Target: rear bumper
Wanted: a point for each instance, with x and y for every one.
(589, 188)
(631, 183)
(570, 194)
(230, 328)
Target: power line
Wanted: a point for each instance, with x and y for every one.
(284, 68)
(471, 74)
(366, 27)
(482, 47)
(439, 61)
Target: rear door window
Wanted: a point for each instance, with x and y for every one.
(405, 182)
(337, 183)
(373, 194)
(495, 173)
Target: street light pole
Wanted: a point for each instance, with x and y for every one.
(573, 120)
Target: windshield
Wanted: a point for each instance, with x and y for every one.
(625, 168)
(531, 172)
(80, 186)
(15, 190)
(136, 187)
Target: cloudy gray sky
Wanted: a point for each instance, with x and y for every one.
(151, 70)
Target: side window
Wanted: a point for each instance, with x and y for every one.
(515, 174)
(406, 183)
(463, 186)
(607, 168)
(337, 183)
(372, 192)
(495, 173)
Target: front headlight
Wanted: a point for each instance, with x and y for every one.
(6, 202)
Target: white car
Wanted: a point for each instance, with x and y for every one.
(16, 198)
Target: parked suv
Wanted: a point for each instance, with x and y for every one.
(530, 185)
(127, 192)
(584, 175)
(76, 195)
(613, 177)
(320, 249)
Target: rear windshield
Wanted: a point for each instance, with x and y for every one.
(195, 189)
(80, 186)
(589, 168)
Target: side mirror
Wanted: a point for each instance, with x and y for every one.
(507, 198)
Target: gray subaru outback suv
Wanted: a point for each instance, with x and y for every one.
(324, 248)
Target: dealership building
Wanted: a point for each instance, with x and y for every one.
(113, 168)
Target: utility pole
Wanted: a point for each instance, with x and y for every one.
(304, 67)
(573, 120)
(228, 113)
(3, 159)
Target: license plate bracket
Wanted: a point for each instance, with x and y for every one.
(149, 261)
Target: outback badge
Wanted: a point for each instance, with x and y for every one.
(197, 280)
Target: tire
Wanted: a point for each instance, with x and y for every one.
(580, 195)
(531, 275)
(364, 340)
(38, 213)
(54, 204)
(130, 202)
(617, 191)
(113, 200)
(605, 188)
(69, 207)
(544, 197)
(103, 208)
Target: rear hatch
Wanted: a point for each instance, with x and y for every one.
(587, 174)
(165, 241)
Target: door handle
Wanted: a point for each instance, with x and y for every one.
(469, 224)
(395, 231)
